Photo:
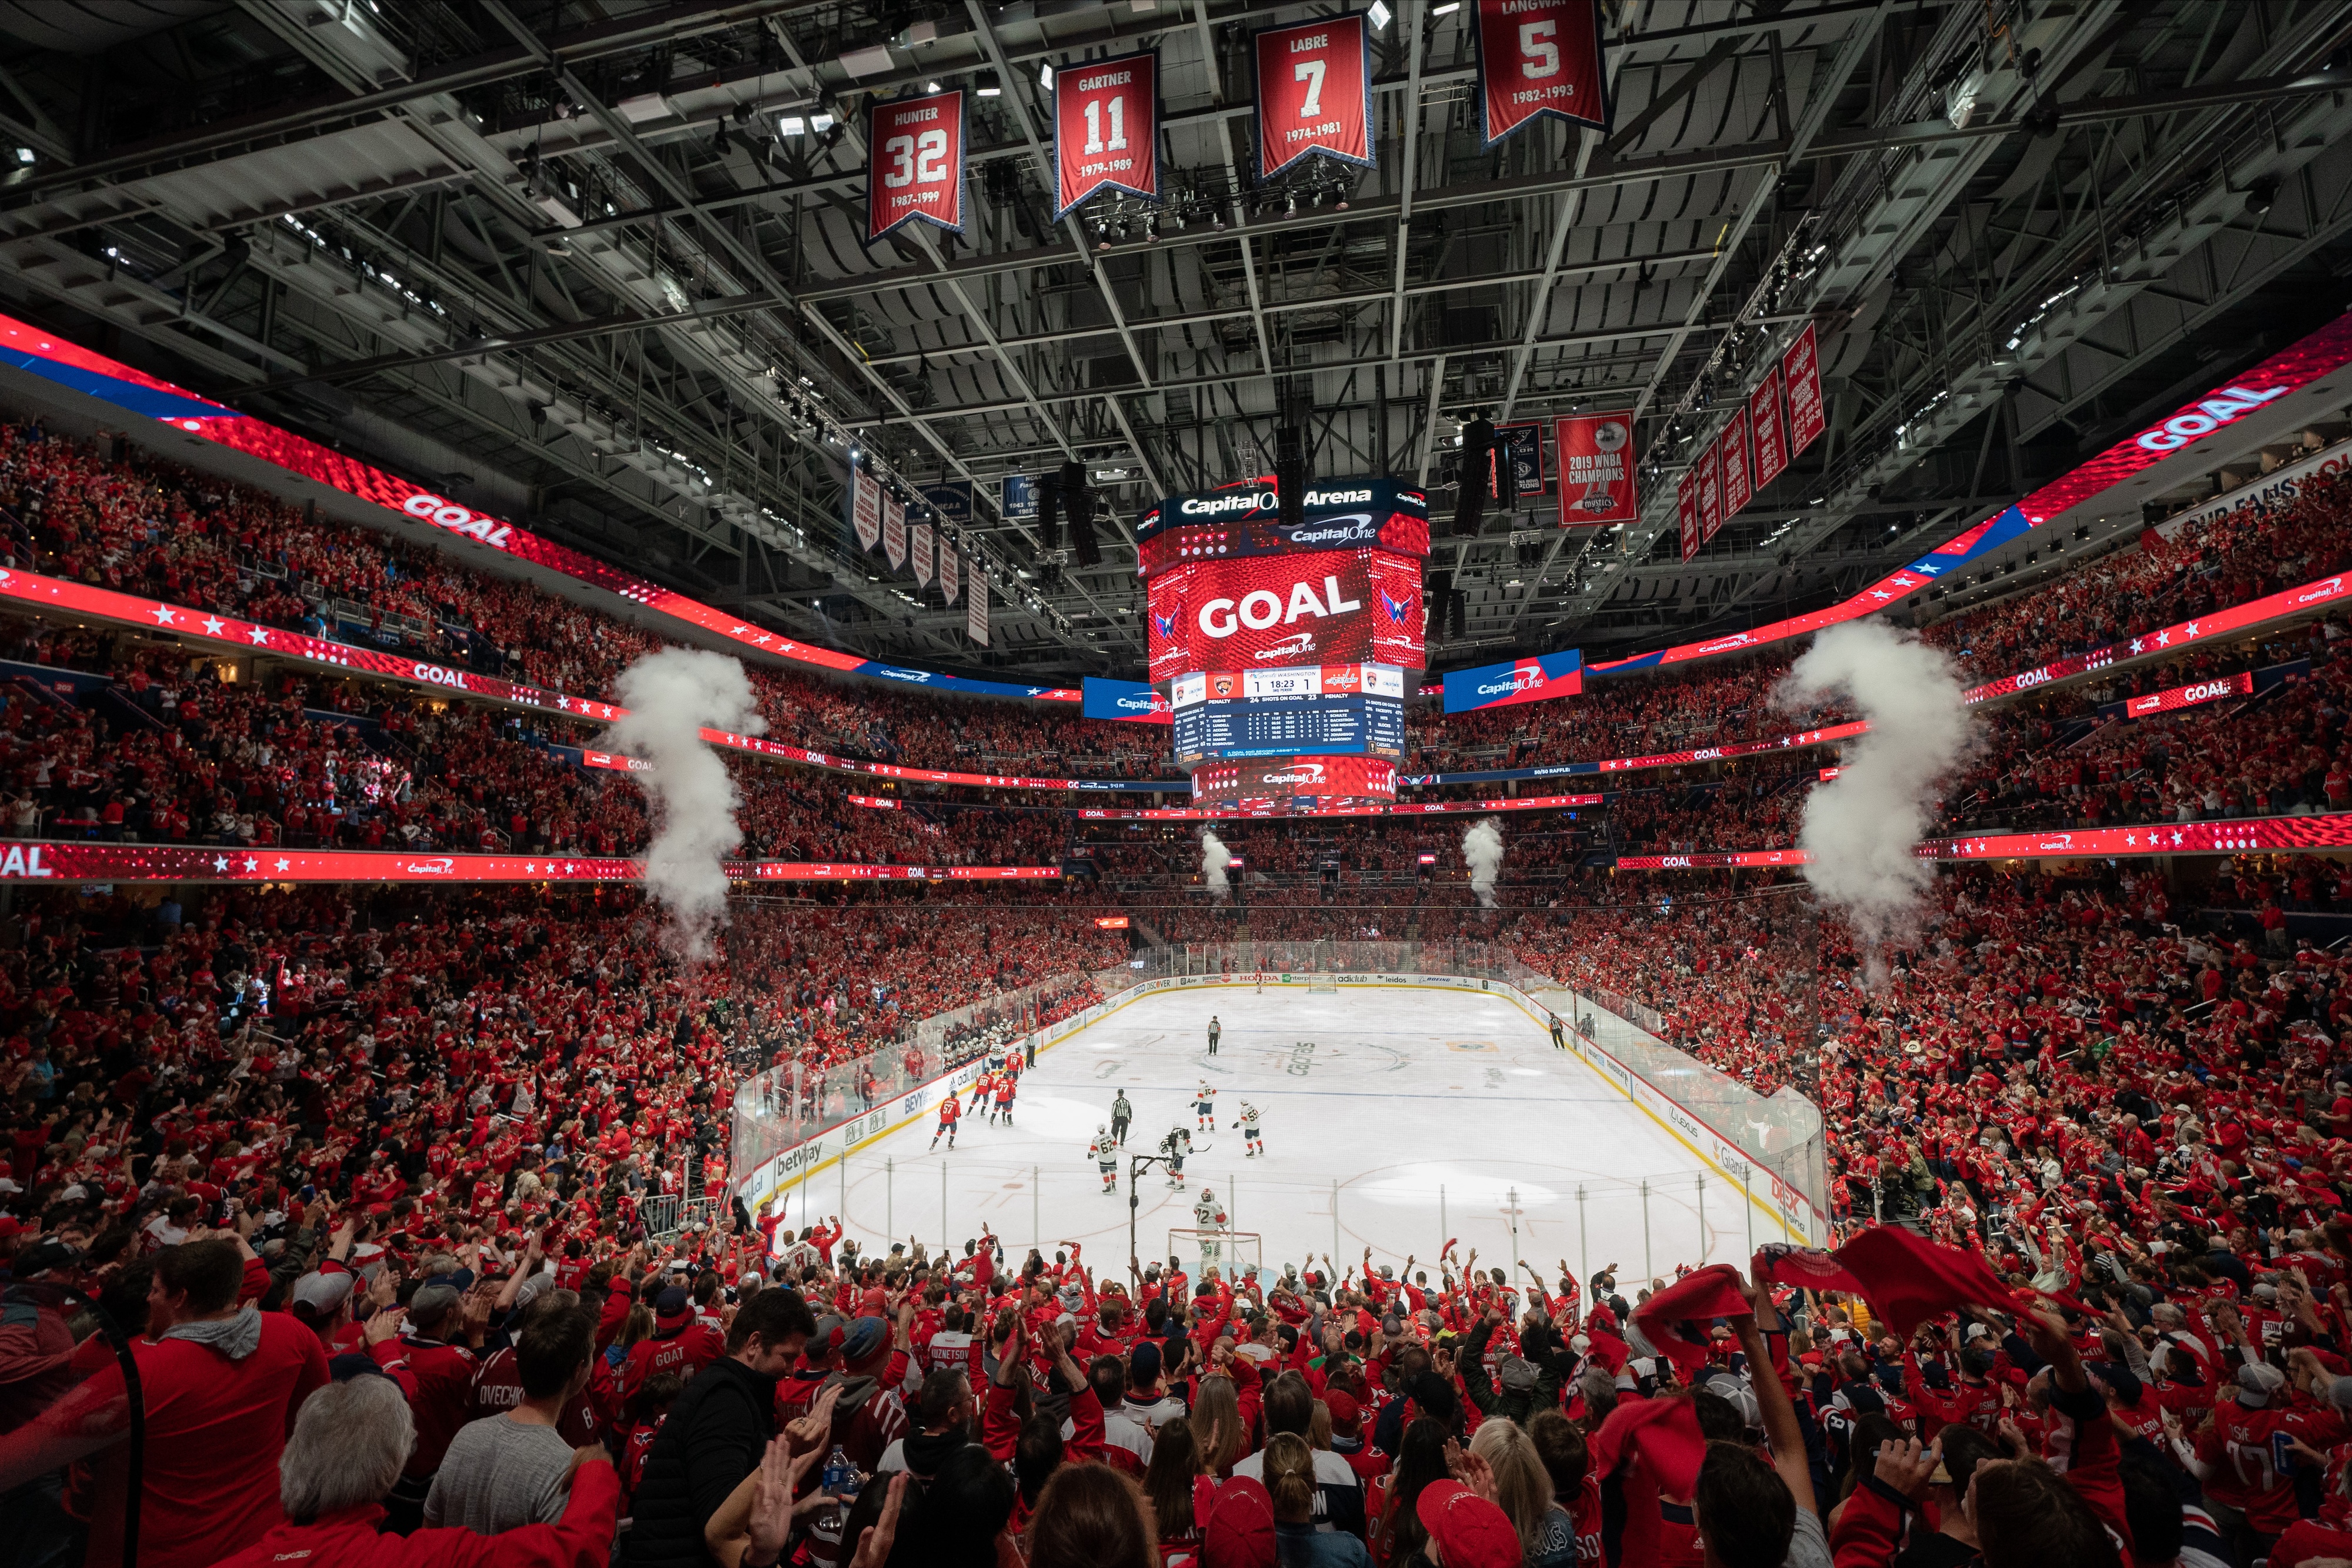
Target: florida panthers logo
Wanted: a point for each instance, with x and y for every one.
(1397, 608)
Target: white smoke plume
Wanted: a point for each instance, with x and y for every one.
(1860, 827)
(672, 695)
(1482, 849)
(1214, 856)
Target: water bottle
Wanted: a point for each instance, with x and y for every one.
(840, 1475)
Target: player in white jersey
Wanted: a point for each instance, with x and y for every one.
(1260, 978)
(1249, 1130)
(1209, 1219)
(1105, 1149)
(1204, 1107)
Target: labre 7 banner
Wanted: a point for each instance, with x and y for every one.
(1106, 129)
(914, 162)
(1314, 92)
(1538, 58)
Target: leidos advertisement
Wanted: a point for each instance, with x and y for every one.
(1323, 607)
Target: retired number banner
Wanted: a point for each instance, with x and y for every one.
(1801, 368)
(1710, 495)
(914, 162)
(1106, 129)
(1686, 512)
(1314, 93)
(1764, 419)
(1538, 58)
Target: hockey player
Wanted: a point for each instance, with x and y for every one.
(1176, 1146)
(950, 1112)
(1249, 1130)
(1204, 1107)
(1121, 1112)
(980, 1092)
(1209, 1219)
(1006, 1082)
(1105, 1149)
(1260, 978)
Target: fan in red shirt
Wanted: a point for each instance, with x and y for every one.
(221, 1385)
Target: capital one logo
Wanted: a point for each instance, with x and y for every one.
(1521, 679)
(1303, 773)
(2226, 406)
(1262, 607)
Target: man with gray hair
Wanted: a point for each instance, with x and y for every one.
(347, 1449)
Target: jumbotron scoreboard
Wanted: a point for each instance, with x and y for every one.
(1284, 648)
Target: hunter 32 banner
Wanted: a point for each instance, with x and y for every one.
(914, 162)
(1538, 58)
(1106, 129)
(1314, 93)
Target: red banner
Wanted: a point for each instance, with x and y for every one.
(2238, 685)
(1731, 457)
(1764, 419)
(1359, 606)
(1801, 370)
(1596, 469)
(85, 861)
(914, 162)
(1106, 129)
(1686, 511)
(1538, 58)
(1803, 738)
(1314, 92)
(1710, 494)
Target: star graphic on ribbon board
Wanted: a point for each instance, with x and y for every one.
(213, 625)
(163, 614)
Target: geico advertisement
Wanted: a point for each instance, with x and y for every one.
(1323, 607)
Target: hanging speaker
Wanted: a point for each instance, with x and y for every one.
(1049, 512)
(1290, 474)
(1078, 506)
(1457, 614)
(1470, 495)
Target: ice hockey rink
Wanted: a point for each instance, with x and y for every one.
(1393, 1117)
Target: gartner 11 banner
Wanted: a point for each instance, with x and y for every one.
(1540, 679)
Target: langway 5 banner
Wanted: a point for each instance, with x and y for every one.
(1538, 58)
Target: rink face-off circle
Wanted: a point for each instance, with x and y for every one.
(1424, 1112)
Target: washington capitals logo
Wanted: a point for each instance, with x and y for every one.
(1397, 608)
(1164, 626)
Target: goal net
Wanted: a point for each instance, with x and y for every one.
(1234, 1254)
(1324, 983)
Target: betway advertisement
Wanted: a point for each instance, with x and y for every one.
(137, 394)
(1536, 680)
(1320, 607)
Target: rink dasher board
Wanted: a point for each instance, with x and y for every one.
(1788, 1211)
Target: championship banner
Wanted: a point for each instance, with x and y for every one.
(914, 162)
(1710, 496)
(975, 618)
(1596, 469)
(1518, 447)
(1801, 368)
(1731, 457)
(1314, 92)
(894, 532)
(865, 508)
(1540, 679)
(950, 573)
(1764, 419)
(1538, 58)
(924, 546)
(1686, 511)
(951, 502)
(1106, 130)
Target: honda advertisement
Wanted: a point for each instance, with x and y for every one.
(1540, 679)
(1319, 607)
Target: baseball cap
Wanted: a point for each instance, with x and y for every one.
(1143, 1364)
(865, 1339)
(1240, 1532)
(2257, 1381)
(322, 1294)
(432, 1300)
(671, 1308)
(1344, 1411)
(1470, 1531)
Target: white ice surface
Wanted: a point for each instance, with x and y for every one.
(1421, 1111)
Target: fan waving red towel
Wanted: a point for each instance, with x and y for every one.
(1675, 1318)
(1909, 1281)
(1664, 1432)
